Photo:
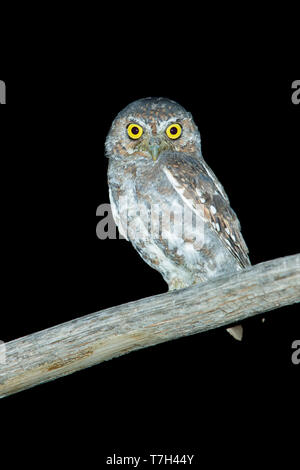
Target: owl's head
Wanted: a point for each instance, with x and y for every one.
(151, 126)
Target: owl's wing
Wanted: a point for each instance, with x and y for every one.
(198, 186)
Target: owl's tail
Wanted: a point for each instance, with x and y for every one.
(236, 332)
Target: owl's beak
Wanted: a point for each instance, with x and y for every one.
(154, 148)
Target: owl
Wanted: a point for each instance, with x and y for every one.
(166, 200)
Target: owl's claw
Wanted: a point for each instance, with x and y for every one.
(177, 284)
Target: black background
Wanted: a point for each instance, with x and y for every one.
(207, 394)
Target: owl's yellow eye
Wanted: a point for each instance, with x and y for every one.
(134, 131)
(174, 131)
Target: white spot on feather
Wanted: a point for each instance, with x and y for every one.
(178, 188)
(187, 250)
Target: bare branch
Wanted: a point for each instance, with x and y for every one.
(103, 335)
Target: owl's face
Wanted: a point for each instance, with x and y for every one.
(151, 126)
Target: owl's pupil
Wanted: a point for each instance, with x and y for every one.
(135, 130)
(173, 130)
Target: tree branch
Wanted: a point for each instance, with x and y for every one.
(103, 335)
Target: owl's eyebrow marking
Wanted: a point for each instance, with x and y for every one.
(164, 124)
(135, 120)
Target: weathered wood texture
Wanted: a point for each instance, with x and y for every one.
(103, 335)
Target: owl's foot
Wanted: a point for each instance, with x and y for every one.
(177, 284)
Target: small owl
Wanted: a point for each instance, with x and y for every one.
(166, 200)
